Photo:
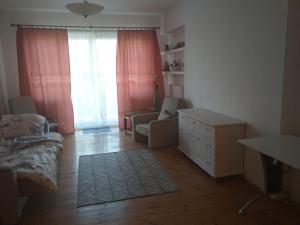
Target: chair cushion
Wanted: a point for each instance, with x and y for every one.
(143, 128)
(168, 108)
(164, 115)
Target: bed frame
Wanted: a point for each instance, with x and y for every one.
(13, 195)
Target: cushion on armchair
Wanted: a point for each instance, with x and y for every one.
(21, 125)
(164, 115)
(169, 108)
(143, 128)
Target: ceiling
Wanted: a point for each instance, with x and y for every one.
(110, 6)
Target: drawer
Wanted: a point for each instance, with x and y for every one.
(186, 131)
(182, 124)
(205, 164)
(207, 130)
(186, 146)
(208, 165)
(204, 152)
(183, 118)
(195, 123)
(204, 140)
(201, 128)
(182, 130)
(204, 158)
(204, 149)
(208, 150)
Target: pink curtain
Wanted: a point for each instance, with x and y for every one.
(138, 65)
(44, 73)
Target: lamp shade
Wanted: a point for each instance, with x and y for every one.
(84, 8)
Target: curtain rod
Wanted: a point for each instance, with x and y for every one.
(83, 27)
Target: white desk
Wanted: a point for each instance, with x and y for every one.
(284, 148)
(273, 151)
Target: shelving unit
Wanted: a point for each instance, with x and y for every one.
(174, 78)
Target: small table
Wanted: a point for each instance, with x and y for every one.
(273, 150)
(127, 116)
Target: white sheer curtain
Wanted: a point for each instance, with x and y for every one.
(93, 78)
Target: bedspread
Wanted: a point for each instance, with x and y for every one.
(36, 161)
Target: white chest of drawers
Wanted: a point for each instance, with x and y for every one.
(210, 140)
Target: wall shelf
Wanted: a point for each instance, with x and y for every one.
(175, 60)
(173, 72)
(173, 51)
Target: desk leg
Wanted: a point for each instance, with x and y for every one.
(273, 175)
(243, 209)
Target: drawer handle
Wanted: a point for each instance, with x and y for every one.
(208, 145)
(207, 129)
(198, 139)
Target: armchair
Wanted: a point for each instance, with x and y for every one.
(159, 129)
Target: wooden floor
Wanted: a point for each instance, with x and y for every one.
(200, 201)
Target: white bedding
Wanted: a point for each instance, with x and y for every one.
(36, 162)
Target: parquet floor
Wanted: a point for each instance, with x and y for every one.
(201, 201)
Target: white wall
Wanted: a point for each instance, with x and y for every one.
(235, 61)
(174, 17)
(3, 89)
(290, 123)
(8, 33)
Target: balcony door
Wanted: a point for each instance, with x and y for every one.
(93, 78)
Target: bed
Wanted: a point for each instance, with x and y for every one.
(28, 162)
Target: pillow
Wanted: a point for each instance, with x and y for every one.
(168, 108)
(164, 115)
(21, 125)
